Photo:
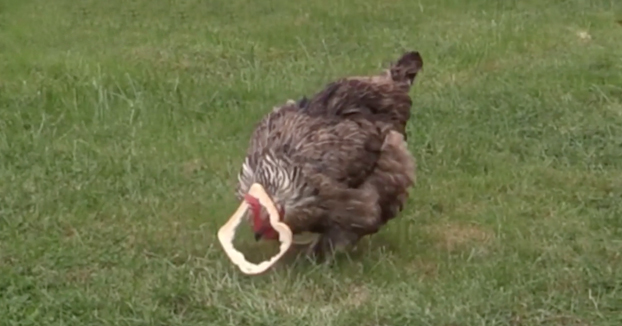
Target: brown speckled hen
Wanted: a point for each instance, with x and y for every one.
(337, 165)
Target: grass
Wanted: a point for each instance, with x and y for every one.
(123, 125)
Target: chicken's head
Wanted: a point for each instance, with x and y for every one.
(260, 220)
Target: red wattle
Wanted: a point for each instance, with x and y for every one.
(255, 207)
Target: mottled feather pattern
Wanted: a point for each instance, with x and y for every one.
(314, 156)
(352, 98)
(382, 97)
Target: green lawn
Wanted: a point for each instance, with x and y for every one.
(123, 125)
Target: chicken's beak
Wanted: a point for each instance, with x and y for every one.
(259, 234)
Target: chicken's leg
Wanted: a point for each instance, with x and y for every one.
(335, 240)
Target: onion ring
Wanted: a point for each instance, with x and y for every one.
(226, 233)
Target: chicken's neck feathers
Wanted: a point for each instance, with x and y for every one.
(283, 181)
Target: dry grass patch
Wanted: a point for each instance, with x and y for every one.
(457, 236)
(191, 167)
(424, 269)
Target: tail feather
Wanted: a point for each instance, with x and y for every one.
(407, 67)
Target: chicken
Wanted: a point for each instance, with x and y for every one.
(337, 164)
